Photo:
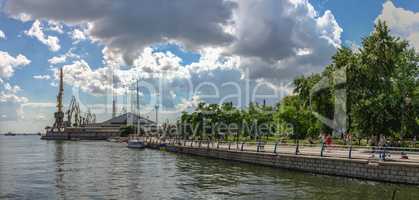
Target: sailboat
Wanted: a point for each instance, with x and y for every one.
(136, 142)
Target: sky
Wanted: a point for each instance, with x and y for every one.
(180, 52)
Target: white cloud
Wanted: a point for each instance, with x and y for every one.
(23, 17)
(179, 86)
(9, 94)
(112, 58)
(265, 40)
(36, 31)
(271, 39)
(352, 45)
(55, 26)
(81, 75)
(279, 40)
(187, 104)
(8, 63)
(39, 105)
(42, 77)
(404, 23)
(150, 66)
(36, 116)
(132, 25)
(212, 58)
(54, 84)
(57, 59)
(2, 35)
(12, 89)
(329, 28)
(63, 58)
(77, 36)
(157, 64)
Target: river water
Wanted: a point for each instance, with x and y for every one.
(31, 168)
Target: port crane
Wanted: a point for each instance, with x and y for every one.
(73, 113)
(75, 117)
(59, 115)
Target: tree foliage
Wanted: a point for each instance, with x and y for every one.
(380, 80)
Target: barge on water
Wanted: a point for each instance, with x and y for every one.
(10, 134)
(81, 133)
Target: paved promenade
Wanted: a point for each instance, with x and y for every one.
(365, 153)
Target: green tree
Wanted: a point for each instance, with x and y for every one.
(295, 119)
(125, 131)
(385, 63)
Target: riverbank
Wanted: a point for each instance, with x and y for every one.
(394, 172)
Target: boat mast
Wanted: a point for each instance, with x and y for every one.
(156, 107)
(113, 96)
(138, 109)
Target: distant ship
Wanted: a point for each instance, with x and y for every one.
(9, 134)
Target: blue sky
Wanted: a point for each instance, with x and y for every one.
(174, 49)
(357, 17)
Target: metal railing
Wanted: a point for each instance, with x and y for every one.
(399, 154)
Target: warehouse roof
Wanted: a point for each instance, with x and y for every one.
(129, 118)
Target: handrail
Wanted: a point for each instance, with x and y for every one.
(301, 145)
(407, 154)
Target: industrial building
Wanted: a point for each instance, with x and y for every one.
(102, 131)
(78, 126)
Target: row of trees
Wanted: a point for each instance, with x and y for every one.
(376, 87)
(220, 121)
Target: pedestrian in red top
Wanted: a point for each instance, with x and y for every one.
(328, 141)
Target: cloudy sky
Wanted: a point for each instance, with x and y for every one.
(181, 52)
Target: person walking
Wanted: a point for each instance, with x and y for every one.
(328, 142)
(381, 146)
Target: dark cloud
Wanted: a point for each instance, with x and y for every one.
(275, 39)
(130, 25)
(278, 40)
(74, 11)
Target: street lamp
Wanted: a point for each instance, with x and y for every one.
(406, 101)
(156, 108)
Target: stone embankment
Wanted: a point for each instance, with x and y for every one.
(395, 172)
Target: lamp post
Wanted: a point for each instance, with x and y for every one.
(406, 102)
(156, 107)
(137, 93)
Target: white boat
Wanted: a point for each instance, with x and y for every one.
(136, 144)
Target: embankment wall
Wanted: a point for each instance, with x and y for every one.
(395, 172)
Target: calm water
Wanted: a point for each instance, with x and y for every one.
(34, 169)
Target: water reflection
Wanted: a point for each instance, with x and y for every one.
(59, 160)
(35, 169)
